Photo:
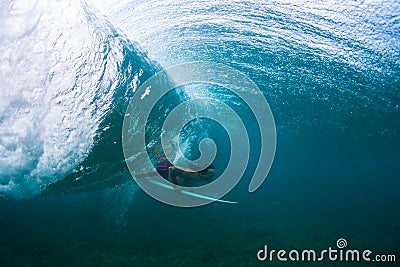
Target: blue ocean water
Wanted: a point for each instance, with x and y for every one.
(329, 70)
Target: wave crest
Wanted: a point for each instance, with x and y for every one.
(60, 75)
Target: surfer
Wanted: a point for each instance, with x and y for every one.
(182, 176)
(187, 177)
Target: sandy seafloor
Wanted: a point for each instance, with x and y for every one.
(329, 71)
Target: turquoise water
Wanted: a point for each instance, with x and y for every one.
(330, 72)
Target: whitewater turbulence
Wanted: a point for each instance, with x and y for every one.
(59, 78)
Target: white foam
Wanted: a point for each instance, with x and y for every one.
(55, 78)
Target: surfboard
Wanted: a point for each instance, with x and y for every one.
(188, 193)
